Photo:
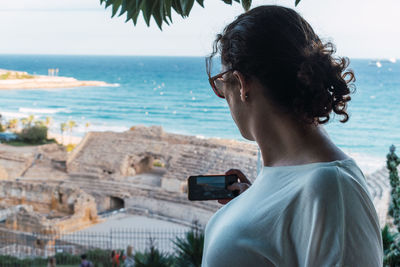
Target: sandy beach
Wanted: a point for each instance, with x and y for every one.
(64, 139)
(41, 81)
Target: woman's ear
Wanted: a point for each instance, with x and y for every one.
(243, 85)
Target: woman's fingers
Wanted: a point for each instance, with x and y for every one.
(224, 201)
(242, 178)
(241, 187)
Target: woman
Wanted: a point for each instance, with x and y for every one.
(309, 206)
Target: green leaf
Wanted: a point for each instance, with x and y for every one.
(190, 249)
(187, 6)
(131, 9)
(135, 17)
(176, 5)
(109, 2)
(115, 7)
(139, 3)
(158, 13)
(146, 10)
(200, 2)
(167, 11)
(246, 4)
(123, 7)
(159, 9)
(297, 2)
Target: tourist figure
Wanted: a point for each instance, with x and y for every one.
(121, 255)
(85, 262)
(129, 260)
(51, 262)
(114, 258)
(309, 205)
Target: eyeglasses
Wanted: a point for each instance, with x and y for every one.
(217, 79)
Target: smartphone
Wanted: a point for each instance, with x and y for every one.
(211, 187)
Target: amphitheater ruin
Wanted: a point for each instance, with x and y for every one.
(142, 171)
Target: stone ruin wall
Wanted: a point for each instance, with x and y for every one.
(32, 161)
(109, 155)
(47, 208)
(14, 163)
(106, 164)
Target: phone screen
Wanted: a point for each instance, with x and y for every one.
(210, 187)
(217, 182)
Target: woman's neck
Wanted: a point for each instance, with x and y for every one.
(285, 142)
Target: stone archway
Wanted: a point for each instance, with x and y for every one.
(116, 203)
(137, 164)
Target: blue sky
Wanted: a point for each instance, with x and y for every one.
(359, 28)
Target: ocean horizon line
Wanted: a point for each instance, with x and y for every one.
(161, 56)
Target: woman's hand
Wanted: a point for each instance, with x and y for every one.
(241, 186)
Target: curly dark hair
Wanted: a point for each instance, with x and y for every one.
(278, 47)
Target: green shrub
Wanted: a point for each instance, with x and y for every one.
(28, 262)
(99, 257)
(23, 76)
(5, 76)
(2, 128)
(66, 258)
(15, 75)
(36, 134)
(158, 163)
(153, 258)
(391, 241)
(190, 248)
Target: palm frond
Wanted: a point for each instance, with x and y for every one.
(160, 10)
(190, 248)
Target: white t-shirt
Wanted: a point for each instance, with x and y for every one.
(317, 214)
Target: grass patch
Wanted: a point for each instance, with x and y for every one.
(23, 143)
(157, 163)
(15, 75)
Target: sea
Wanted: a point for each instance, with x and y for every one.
(173, 92)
